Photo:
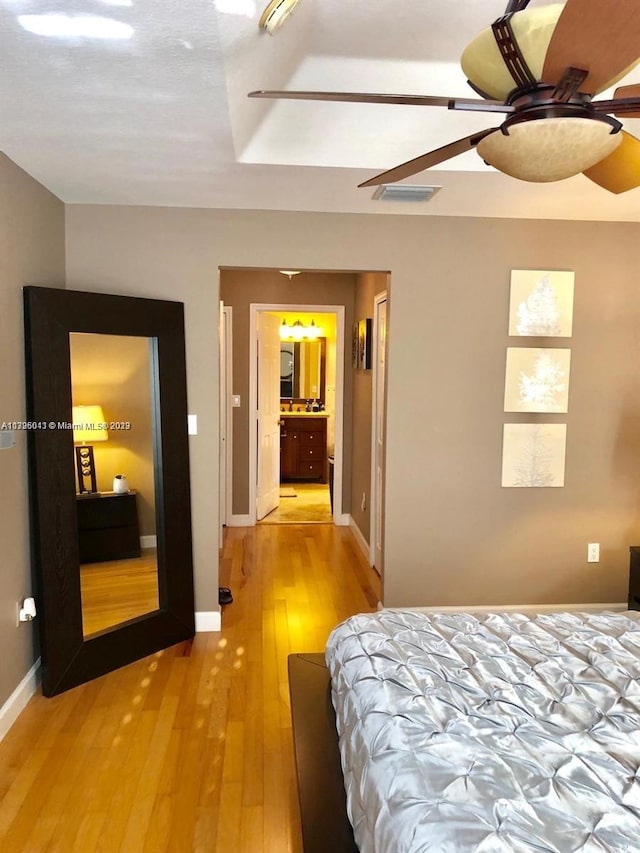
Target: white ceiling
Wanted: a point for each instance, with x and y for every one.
(162, 117)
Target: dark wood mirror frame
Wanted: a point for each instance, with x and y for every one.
(50, 315)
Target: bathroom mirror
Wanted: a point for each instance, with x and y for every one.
(302, 369)
(99, 607)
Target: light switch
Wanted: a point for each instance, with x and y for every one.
(7, 439)
(192, 424)
(236, 401)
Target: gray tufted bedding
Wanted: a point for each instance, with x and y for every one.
(506, 732)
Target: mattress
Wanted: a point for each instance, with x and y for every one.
(506, 732)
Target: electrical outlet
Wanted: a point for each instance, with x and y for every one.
(593, 552)
(363, 502)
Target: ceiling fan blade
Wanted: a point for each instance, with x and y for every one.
(601, 36)
(625, 102)
(516, 6)
(473, 104)
(425, 161)
(631, 97)
(620, 171)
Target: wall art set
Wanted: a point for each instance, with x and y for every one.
(537, 378)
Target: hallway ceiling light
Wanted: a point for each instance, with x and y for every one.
(290, 273)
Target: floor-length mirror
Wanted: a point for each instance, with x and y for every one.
(108, 480)
(112, 379)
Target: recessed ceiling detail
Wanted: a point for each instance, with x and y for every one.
(579, 49)
(162, 117)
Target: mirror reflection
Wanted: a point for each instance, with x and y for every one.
(112, 378)
(302, 368)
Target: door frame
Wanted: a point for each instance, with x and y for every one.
(339, 310)
(375, 497)
(268, 418)
(226, 416)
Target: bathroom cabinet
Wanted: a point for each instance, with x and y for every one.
(303, 448)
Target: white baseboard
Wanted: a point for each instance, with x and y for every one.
(239, 521)
(357, 534)
(148, 542)
(208, 620)
(343, 520)
(15, 704)
(517, 608)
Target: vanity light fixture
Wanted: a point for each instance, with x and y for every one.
(88, 426)
(275, 14)
(294, 332)
(298, 331)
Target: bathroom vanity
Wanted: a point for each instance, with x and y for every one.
(303, 446)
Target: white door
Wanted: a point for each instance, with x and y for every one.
(222, 356)
(380, 334)
(268, 491)
(226, 423)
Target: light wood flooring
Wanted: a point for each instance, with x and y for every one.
(302, 503)
(115, 591)
(189, 749)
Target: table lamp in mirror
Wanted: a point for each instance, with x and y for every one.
(88, 427)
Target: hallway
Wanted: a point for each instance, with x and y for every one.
(301, 503)
(189, 749)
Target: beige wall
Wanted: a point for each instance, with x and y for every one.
(114, 371)
(241, 287)
(31, 252)
(367, 286)
(453, 535)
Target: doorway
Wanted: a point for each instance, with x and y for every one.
(304, 402)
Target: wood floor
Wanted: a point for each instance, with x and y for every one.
(301, 503)
(117, 590)
(190, 749)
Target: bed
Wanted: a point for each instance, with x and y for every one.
(505, 732)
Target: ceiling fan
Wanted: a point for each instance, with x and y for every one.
(540, 67)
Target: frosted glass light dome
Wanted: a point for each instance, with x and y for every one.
(482, 61)
(549, 149)
(533, 29)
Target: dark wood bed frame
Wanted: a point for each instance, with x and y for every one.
(323, 809)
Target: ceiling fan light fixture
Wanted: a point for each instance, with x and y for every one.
(483, 63)
(619, 172)
(275, 14)
(549, 149)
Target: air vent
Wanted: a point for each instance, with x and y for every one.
(404, 192)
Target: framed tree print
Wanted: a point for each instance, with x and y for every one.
(537, 380)
(533, 455)
(541, 303)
